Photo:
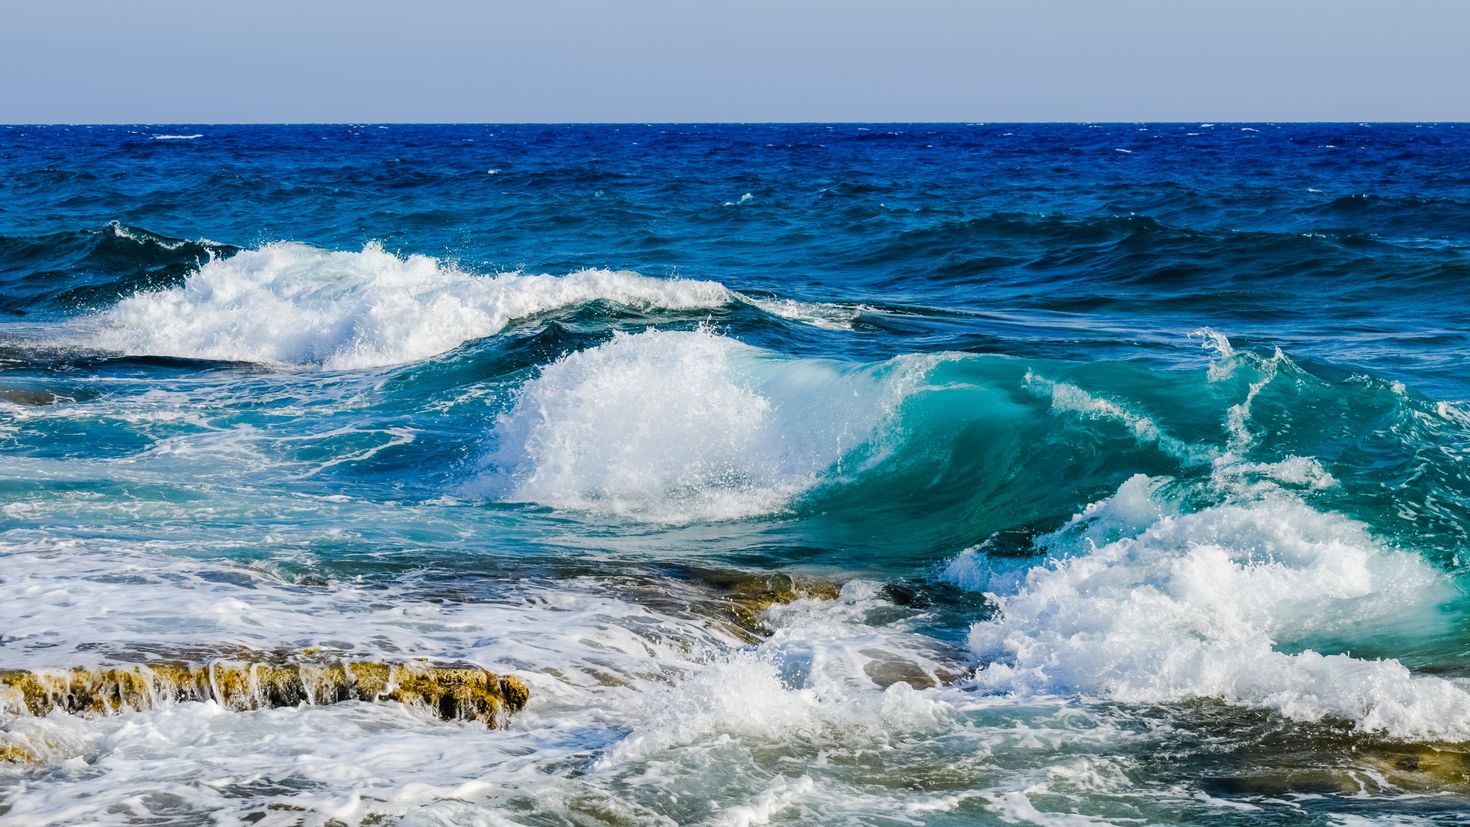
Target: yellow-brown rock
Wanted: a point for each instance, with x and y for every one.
(451, 692)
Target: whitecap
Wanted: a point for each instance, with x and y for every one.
(292, 304)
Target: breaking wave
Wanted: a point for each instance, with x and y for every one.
(682, 426)
(1256, 601)
(293, 304)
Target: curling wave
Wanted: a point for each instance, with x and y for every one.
(676, 427)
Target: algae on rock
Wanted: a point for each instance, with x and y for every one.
(451, 692)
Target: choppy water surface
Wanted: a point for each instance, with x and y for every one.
(1136, 453)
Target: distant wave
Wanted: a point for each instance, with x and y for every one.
(96, 266)
(115, 241)
(293, 304)
(139, 235)
(176, 137)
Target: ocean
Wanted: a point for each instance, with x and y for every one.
(878, 474)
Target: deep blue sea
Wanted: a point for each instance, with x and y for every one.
(1120, 473)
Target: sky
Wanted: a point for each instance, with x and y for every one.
(218, 61)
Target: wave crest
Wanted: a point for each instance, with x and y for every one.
(290, 303)
(683, 426)
(293, 304)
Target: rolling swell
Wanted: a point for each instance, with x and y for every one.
(939, 449)
(89, 268)
(1243, 569)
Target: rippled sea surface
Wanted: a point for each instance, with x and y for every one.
(1118, 472)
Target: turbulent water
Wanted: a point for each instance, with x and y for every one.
(1134, 455)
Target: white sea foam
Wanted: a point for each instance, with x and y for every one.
(746, 693)
(584, 652)
(293, 304)
(682, 426)
(642, 715)
(618, 691)
(177, 137)
(817, 314)
(1145, 604)
(290, 303)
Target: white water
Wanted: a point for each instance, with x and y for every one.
(646, 712)
(619, 692)
(684, 426)
(293, 304)
(1143, 604)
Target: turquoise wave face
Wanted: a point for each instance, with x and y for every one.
(1139, 478)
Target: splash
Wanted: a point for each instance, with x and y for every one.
(1144, 604)
(683, 426)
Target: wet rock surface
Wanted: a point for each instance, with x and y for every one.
(458, 692)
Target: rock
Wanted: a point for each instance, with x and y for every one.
(748, 596)
(28, 397)
(452, 692)
(1422, 767)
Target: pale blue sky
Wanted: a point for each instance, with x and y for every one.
(753, 60)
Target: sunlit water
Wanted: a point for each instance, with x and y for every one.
(1137, 455)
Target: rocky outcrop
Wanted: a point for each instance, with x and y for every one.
(452, 692)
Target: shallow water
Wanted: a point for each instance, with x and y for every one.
(1139, 476)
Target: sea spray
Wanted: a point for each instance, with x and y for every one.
(684, 426)
(1143, 604)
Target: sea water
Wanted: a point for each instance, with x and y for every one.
(1119, 471)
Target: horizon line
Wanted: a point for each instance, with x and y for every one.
(1124, 122)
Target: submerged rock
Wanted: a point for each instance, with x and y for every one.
(747, 596)
(1369, 770)
(1423, 767)
(28, 397)
(1258, 753)
(731, 600)
(451, 692)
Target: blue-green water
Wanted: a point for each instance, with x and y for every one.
(1138, 452)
